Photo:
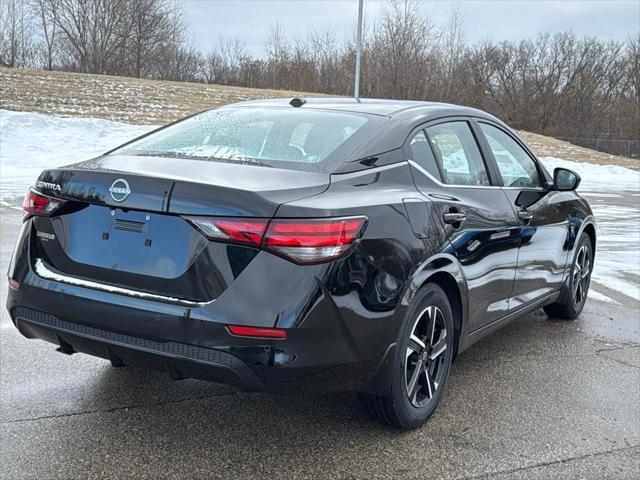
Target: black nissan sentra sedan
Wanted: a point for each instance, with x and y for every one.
(284, 245)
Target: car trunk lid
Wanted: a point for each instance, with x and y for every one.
(190, 187)
(123, 224)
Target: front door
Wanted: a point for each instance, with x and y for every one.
(476, 215)
(544, 226)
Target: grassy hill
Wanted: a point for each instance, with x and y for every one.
(155, 102)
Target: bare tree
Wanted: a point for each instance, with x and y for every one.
(45, 13)
(325, 54)
(94, 33)
(400, 49)
(178, 59)
(223, 63)
(16, 31)
(149, 24)
(278, 51)
(453, 49)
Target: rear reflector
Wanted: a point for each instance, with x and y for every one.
(256, 332)
(37, 204)
(303, 241)
(14, 284)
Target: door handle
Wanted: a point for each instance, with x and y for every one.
(525, 216)
(453, 218)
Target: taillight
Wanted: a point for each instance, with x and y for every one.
(234, 230)
(37, 204)
(313, 240)
(303, 241)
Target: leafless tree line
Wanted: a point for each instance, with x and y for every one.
(558, 84)
(141, 38)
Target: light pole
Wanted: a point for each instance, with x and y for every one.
(356, 87)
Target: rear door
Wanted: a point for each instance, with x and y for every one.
(473, 210)
(544, 222)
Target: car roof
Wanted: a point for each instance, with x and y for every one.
(372, 106)
(402, 116)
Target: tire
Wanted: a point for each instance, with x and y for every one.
(414, 395)
(572, 302)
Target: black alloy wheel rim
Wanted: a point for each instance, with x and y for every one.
(425, 367)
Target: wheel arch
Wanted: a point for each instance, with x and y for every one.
(444, 271)
(590, 231)
(448, 283)
(587, 227)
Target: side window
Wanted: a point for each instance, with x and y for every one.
(517, 168)
(422, 154)
(457, 152)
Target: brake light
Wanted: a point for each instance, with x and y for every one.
(313, 240)
(37, 204)
(235, 230)
(303, 241)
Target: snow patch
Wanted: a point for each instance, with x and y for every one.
(599, 179)
(612, 192)
(32, 142)
(600, 297)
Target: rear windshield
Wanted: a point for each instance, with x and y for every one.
(296, 138)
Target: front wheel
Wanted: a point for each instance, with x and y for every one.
(421, 363)
(580, 277)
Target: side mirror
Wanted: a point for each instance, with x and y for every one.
(565, 180)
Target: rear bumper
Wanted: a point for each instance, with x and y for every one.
(177, 359)
(310, 359)
(333, 340)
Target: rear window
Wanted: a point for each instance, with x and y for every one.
(301, 139)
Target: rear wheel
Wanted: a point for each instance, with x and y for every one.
(573, 301)
(421, 363)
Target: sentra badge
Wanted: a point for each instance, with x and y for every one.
(50, 186)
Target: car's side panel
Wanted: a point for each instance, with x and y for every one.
(485, 242)
(366, 288)
(580, 218)
(543, 253)
(547, 222)
(485, 245)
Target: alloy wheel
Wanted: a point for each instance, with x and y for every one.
(425, 367)
(581, 272)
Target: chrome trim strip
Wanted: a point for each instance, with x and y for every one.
(431, 177)
(367, 171)
(451, 185)
(42, 271)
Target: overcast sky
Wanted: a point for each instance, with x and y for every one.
(250, 20)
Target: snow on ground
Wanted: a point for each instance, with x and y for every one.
(614, 195)
(31, 142)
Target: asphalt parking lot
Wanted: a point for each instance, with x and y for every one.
(540, 399)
